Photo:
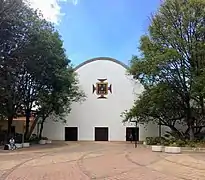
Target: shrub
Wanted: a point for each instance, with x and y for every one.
(154, 140)
(150, 141)
(166, 143)
(180, 143)
(44, 138)
(173, 144)
(34, 138)
(191, 144)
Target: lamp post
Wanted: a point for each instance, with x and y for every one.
(135, 121)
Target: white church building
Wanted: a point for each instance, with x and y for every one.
(109, 91)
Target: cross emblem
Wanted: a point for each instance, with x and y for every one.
(102, 88)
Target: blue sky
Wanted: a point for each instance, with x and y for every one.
(93, 28)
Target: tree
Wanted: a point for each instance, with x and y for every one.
(44, 56)
(33, 65)
(158, 106)
(14, 37)
(57, 103)
(173, 54)
(9, 8)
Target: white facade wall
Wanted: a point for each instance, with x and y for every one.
(95, 112)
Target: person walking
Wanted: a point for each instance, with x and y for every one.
(131, 137)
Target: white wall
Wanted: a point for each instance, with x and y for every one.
(100, 112)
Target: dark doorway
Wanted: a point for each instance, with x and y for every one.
(101, 133)
(71, 133)
(134, 131)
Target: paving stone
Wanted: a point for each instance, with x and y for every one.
(101, 161)
(62, 171)
(177, 170)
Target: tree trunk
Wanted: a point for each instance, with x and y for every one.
(32, 127)
(191, 134)
(41, 128)
(197, 130)
(160, 132)
(10, 120)
(27, 123)
(190, 122)
(175, 130)
(191, 128)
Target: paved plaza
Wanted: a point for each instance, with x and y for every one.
(100, 161)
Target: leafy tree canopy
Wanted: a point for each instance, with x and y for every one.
(34, 69)
(173, 56)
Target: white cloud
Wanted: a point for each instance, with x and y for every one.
(50, 9)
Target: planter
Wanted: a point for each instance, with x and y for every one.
(48, 141)
(157, 148)
(26, 144)
(18, 145)
(42, 141)
(172, 150)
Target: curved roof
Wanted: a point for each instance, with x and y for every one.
(101, 59)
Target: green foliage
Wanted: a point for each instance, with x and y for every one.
(44, 138)
(156, 104)
(57, 102)
(154, 140)
(191, 144)
(173, 139)
(171, 68)
(169, 139)
(173, 142)
(14, 37)
(34, 69)
(34, 139)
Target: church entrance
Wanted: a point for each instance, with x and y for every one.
(101, 133)
(134, 131)
(71, 133)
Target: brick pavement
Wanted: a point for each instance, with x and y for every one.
(103, 161)
(36, 148)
